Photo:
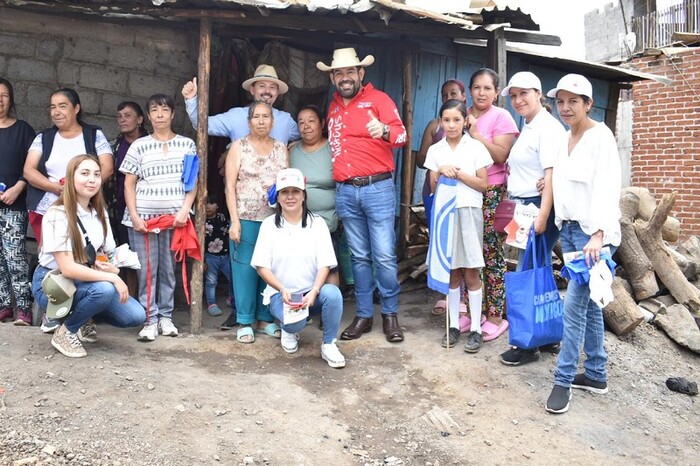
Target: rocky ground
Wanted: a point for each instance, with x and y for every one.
(207, 400)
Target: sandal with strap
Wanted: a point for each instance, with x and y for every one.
(440, 307)
(245, 335)
(272, 330)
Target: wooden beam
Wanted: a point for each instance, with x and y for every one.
(320, 40)
(496, 58)
(532, 38)
(203, 72)
(408, 166)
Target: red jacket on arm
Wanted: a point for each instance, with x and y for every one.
(355, 152)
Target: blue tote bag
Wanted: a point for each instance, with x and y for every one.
(535, 307)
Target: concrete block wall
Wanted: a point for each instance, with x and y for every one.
(602, 30)
(666, 135)
(104, 62)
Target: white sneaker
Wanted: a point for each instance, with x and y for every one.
(290, 342)
(49, 325)
(149, 332)
(166, 327)
(332, 355)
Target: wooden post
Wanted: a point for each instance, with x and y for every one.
(203, 71)
(408, 167)
(496, 58)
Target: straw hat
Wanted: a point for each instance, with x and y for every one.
(265, 73)
(344, 58)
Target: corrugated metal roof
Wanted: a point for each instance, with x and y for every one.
(573, 65)
(335, 16)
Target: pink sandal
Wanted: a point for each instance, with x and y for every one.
(441, 307)
(465, 323)
(491, 331)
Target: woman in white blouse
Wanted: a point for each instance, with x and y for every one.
(293, 255)
(586, 185)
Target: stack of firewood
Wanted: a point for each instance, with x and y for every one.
(412, 268)
(654, 275)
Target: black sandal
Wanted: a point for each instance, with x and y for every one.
(452, 336)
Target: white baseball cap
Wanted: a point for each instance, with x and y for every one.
(524, 80)
(574, 83)
(290, 178)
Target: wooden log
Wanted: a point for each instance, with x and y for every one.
(622, 315)
(421, 269)
(671, 229)
(408, 162)
(649, 234)
(413, 285)
(409, 263)
(203, 72)
(413, 251)
(632, 256)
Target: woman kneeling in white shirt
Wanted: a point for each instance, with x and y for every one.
(294, 254)
(77, 215)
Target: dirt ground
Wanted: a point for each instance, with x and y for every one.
(207, 400)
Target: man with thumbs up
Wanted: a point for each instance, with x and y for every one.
(363, 129)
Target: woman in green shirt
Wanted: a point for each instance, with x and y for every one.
(312, 155)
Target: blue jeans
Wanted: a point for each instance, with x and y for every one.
(215, 265)
(551, 232)
(583, 322)
(368, 216)
(329, 304)
(93, 300)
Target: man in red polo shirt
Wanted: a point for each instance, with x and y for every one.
(363, 128)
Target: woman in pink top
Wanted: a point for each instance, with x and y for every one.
(495, 128)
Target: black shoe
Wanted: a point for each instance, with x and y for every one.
(518, 357)
(230, 323)
(558, 401)
(584, 383)
(552, 348)
(474, 342)
(451, 337)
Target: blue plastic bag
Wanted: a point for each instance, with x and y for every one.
(272, 196)
(190, 170)
(535, 307)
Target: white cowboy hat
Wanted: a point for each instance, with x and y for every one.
(265, 73)
(344, 58)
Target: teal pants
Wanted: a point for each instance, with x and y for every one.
(247, 284)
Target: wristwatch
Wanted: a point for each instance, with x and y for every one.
(385, 130)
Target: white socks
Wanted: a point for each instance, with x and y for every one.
(475, 309)
(453, 306)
